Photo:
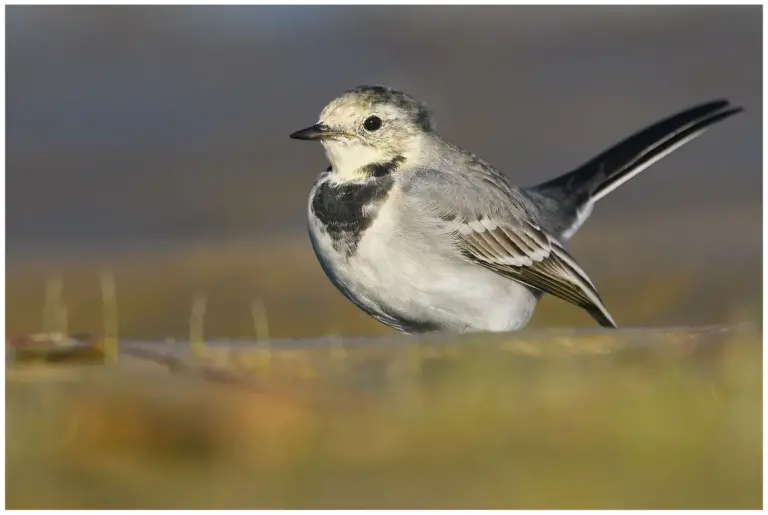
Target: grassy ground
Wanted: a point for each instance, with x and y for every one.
(643, 419)
(556, 419)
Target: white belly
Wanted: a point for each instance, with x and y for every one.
(410, 284)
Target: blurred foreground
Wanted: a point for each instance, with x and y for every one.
(548, 419)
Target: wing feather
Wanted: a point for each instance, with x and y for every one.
(528, 255)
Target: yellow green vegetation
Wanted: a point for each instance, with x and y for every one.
(541, 419)
(635, 418)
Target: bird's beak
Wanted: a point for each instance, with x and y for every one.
(317, 131)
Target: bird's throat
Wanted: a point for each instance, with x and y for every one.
(346, 210)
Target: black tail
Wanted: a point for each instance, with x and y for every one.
(606, 172)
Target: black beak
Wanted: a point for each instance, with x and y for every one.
(318, 131)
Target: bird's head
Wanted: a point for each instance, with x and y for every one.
(370, 131)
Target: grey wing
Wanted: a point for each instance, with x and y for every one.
(494, 227)
(528, 255)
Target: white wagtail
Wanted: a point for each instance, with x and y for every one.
(425, 236)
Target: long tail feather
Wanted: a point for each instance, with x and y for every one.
(615, 166)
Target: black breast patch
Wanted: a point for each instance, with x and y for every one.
(347, 210)
(382, 169)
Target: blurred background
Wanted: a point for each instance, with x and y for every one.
(153, 142)
(150, 145)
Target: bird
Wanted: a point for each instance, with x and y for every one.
(425, 236)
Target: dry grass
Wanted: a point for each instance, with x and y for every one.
(629, 420)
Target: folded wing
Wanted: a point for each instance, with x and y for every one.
(528, 255)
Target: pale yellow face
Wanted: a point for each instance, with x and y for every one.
(365, 128)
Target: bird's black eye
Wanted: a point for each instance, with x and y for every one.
(372, 123)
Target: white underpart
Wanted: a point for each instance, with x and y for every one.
(419, 277)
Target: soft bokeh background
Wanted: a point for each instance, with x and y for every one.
(153, 141)
(150, 145)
